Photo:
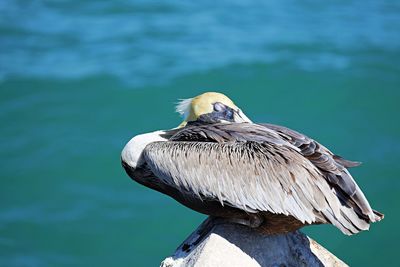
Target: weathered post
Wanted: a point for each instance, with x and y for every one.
(235, 245)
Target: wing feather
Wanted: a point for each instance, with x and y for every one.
(250, 176)
(262, 168)
(333, 168)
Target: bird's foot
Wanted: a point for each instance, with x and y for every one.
(252, 221)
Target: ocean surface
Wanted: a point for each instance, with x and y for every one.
(78, 79)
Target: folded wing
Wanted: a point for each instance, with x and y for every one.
(332, 168)
(254, 168)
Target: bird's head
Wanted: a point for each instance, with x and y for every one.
(210, 107)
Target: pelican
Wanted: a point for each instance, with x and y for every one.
(268, 177)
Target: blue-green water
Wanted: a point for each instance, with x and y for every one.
(78, 79)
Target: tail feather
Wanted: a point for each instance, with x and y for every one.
(346, 163)
(378, 215)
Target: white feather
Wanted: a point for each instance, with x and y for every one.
(183, 107)
(132, 152)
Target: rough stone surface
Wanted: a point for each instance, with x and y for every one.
(235, 245)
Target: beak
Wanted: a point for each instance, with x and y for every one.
(239, 116)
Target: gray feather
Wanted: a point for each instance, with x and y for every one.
(262, 168)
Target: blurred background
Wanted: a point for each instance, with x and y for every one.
(78, 79)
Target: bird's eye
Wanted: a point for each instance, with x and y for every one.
(218, 107)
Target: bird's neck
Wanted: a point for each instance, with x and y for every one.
(131, 154)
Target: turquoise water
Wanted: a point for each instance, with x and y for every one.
(79, 79)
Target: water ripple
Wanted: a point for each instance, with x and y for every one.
(143, 42)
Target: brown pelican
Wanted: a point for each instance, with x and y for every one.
(265, 176)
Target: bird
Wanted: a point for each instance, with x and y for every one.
(264, 176)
